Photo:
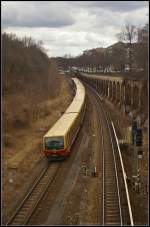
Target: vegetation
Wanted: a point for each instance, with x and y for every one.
(129, 54)
(136, 53)
(142, 53)
(28, 80)
(20, 59)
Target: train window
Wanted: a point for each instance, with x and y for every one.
(54, 143)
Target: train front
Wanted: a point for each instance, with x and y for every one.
(54, 148)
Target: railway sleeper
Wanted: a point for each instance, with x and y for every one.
(113, 202)
(112, 212)
(112, 217)
(108, 190)
(112, 206)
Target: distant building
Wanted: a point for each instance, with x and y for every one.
(117, 55)
(87, 52)
(117, 46)
(93, 51)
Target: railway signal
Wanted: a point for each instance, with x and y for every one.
(137, 142)
(134, 129)
(134, 125)
(139, 137)
(140, 153)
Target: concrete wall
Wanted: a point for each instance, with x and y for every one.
(125, 94)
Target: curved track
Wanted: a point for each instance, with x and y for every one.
(113, 206)
(115, 209)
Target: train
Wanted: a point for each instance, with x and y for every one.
(58, 141)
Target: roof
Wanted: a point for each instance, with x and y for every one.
(64, 123)
(80, 92)
(74, 107)
(118, 44)
(62, 126)
(110, 78)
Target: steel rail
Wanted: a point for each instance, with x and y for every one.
(28, 205)
(116, 174)
(124, 178)
(114, 161)
(103, 179)
(123, 172)
(103, 169)
(122, 166)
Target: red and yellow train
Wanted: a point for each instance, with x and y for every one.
(58, 140)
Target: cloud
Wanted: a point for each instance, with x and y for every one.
(64, 42)
(113, 6)
(35, 14)
(59, 14)
(137, 18)
(71, 27)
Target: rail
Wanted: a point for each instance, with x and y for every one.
(28, 205)
(122, 167)
(124, 177)
(116, 175)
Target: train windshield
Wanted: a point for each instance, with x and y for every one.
(54, 143)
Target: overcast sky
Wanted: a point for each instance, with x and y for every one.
(69, 27)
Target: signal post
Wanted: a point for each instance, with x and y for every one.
(137, 153)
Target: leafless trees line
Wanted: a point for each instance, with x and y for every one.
(137, 45)
(25, 65)
(28, 81)
(130, 53)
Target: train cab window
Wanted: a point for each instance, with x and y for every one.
(54, 143)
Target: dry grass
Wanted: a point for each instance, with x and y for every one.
(33, 97)
(22, 146)
(21, 111)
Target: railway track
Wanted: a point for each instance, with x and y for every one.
(115, 209)
(33, 197)
(112, 212)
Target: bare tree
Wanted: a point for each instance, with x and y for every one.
(142, 52)
(128, 35)
(118, 56)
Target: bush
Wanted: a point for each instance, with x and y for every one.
(20, 123)
(28, 79)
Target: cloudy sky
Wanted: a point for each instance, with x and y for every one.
(69, 27)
